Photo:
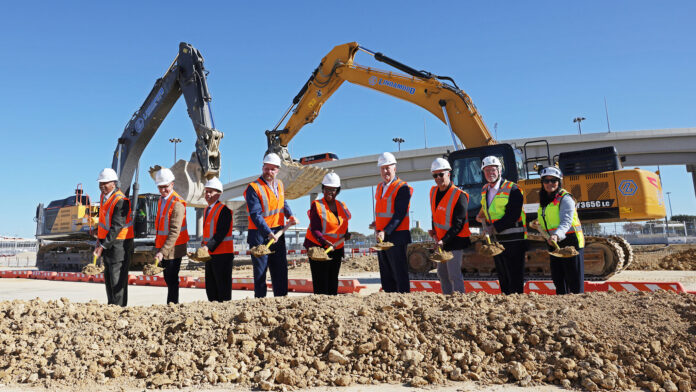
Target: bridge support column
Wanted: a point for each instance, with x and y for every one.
(692, 169)
(199, 222)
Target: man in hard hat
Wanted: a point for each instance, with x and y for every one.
(172, 233)
(218, 242)
(449, 207)
(328, 229)
(501, 211)
(393, 200)
(267, 207)
(115, 237)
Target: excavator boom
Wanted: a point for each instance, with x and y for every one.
(446, 102)
(186, 76)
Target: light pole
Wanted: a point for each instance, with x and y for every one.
(175, 140)
(579, 120)
(670, 205)
(398, 140)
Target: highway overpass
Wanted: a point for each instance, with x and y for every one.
(640, 148)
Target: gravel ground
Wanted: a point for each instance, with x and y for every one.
(591, 341)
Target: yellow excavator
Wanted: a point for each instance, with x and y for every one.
(603, 190)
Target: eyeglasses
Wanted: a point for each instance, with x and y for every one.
(549, 180)
(436, 175)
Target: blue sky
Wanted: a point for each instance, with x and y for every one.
(73, 73)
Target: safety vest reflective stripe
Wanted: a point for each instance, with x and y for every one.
(272, 209)
(550, 218)
(333, 227)
(210, 219)
(496, 210)
(451, 196)
(106, 210)
(384, 209)
(164, 213)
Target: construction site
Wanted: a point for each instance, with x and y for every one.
(630, 327)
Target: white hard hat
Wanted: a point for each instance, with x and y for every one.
(386, 158)
(332, 180)
(214, 183)
(164, 177)
(272, 158)
(440, 164)
(107, 175)
(551, 171)
(491, 161)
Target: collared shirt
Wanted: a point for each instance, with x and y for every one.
(492, 191)
(386, 185)
(164, 202)
(273, 186)
(108, 195)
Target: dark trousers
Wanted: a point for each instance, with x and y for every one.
(568, 274)
(218, 277)
(393, 269)
(171, 277)
(116, 262)
(277, 263)
(325, 273)
(510, 267)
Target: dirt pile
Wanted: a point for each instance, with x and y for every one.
(591, 341)
(360, 263)
(660, 257)
(92, 269)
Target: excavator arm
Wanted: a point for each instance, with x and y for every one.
(186, 76)
(446, 102)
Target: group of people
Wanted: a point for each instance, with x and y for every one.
(501, 216)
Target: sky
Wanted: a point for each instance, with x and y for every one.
(73, 73)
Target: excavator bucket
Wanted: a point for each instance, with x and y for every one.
(300, 179)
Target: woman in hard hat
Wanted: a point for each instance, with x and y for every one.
(448, 208)
(328, 228)
(559, 218)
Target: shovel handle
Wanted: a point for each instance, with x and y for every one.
(555, 245)
(279, 233)
(94, 259)
(329, 249)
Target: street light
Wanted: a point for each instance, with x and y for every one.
(579, 120)
(398, 140)
(670, 205)
(175, 140)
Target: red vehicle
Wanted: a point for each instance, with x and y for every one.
(327, 156)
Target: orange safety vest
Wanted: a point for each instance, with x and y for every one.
(442, 213)
(162, 221)
(273, 207)
(384, 208)
(210, 223)
(333, 228)
(106, 212)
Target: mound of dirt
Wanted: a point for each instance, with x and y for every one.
(672, 257)
(590, 341)
(151, 269)
(92, 269)
(360, 263)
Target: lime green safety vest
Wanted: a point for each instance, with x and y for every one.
(497, 209)
(550, 218)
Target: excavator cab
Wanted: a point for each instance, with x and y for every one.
(467, 174)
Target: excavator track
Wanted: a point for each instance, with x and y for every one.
(604, 257)
(627, 249)
(64, 255)
(300, 179)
